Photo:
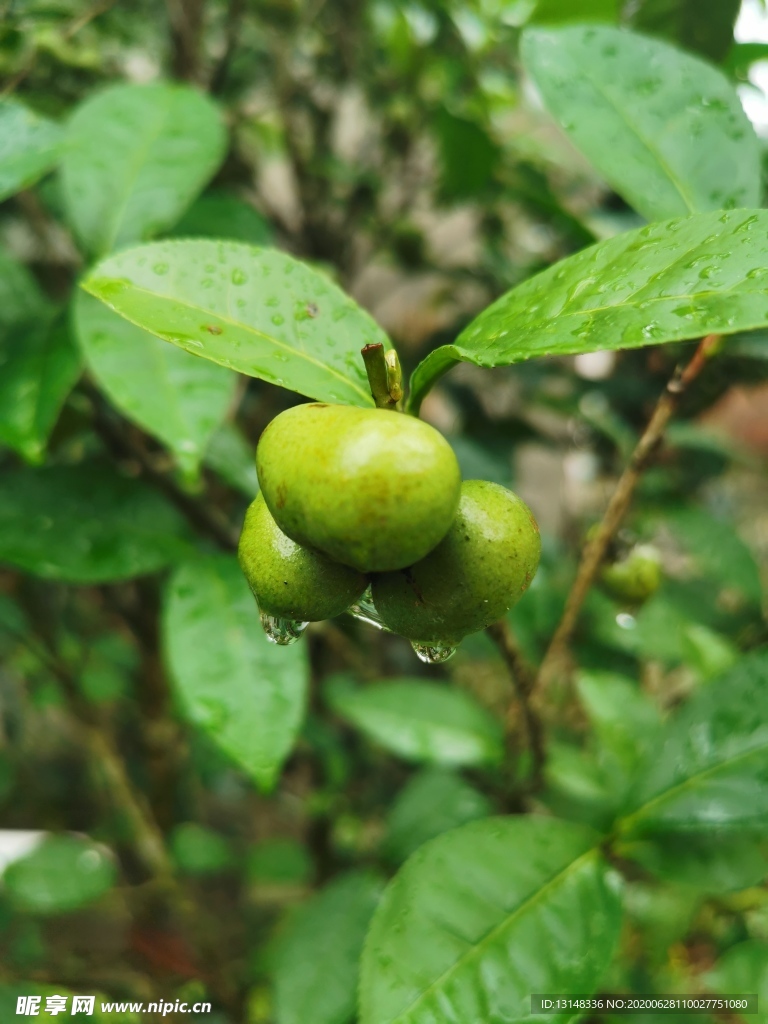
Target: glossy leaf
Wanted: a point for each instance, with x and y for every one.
(665, 282)
(743, 968)
(177, 398)
(245, 692)
(86, 524)
(710, 769)
(257, 311)
(62, 874)
(432, 802)
(29, 147)
(665, 130)
(39, 365)
(136, 157)
(317, 956)
(711, 863)
(420, 721)
(483, 916)
(705, 26)
(233, 458)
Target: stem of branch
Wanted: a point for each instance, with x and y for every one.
(384, 375)
(594, 553)
(523, 680)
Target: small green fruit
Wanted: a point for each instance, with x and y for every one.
(472, 578)
(636, 577)
(289, 580)
(370, 488)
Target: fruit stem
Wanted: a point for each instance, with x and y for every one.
(384, 376)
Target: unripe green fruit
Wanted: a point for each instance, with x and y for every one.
(472, 578)
(370, 488)
(289, 580)
(636, 577)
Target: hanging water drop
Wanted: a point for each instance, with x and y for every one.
(281, 631)
(434, 653)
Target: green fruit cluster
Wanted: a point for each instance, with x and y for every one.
(357, 497)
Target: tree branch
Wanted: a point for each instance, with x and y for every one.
(556, 657)
(523, 680)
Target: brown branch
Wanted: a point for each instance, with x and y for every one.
(185, 19)
(235, 12)
(523, 680)
(557, 656)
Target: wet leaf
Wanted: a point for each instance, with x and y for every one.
(136, 157)
(420, 721)
(317, 955)
(257, 311)
(246, 693)
(666, 130)
(29, 147)
(62, 874)
(86, 524)
(177, 398)
(483, 916)
(710, 768)
(671, 281)
(39, 366)
(432, 802)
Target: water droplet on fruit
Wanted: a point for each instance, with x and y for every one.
(281, 631)
(434, 653)
(365, 611)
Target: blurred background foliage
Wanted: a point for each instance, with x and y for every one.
(399, 147)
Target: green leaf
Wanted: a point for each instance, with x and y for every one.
(223, 215)
(420, 721)
(232, 457)
(432, 802)
(179, 399)
(245, 692)
(21, 301)
(39, 366)
(62, 874)
(710, 770)
(705, 26)
(665, 282)
(743, 968)
(257, 311)
(666, 130)
(549, 12)
(200, 851)
(316, 957)
(279, 862)
(136, 157)
(468, 157)
(86, 524)
(711, 863)
(483, 916)
(29, 147)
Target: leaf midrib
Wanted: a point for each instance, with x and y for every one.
(88, 286)
(508, 921)
(680, 787)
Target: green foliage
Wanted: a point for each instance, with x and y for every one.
(666, 282)
(136, 156)
(420, 721)
(175, 397)
(246, 693)
(256, 311)
(86, 524)
(623, 123)
(705, 26)
(30, 146)
(314, 978)
(62, 874)
(478, 899)
(744, 968)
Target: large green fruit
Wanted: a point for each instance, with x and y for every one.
(289, 580)
(371, 488)
(472, 578)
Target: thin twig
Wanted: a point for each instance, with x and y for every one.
(523, 679)
(556, 657)
(235, 12)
